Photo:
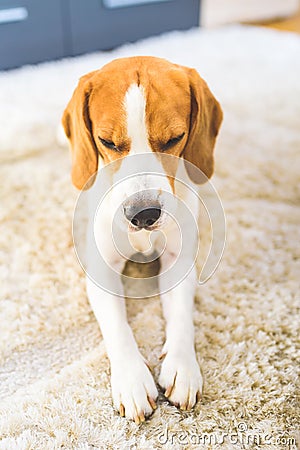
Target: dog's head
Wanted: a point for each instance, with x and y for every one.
(135, 106)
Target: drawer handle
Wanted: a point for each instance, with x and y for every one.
(124, 3)
(13, 15)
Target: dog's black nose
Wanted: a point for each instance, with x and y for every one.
(143, 218)
(146, 217)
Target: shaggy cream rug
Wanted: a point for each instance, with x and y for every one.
(54, 390)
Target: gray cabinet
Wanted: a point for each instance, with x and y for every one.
(94, 26)
(30, 31)
(37, 30)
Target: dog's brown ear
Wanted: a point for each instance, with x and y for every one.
(205, 121)
(78, 128)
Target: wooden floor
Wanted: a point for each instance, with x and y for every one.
(290, 24)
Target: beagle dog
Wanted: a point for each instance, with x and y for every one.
(129, 108)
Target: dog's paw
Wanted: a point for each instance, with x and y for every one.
(181, 379)
(133, 389)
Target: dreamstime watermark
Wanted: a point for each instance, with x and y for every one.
(242, 435)
(143, 209)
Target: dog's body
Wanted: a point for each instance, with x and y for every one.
(144, 106)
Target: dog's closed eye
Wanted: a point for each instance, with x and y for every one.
(172, 142)
(109, 144)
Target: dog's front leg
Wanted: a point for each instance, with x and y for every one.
(133, 389)
(180, 374)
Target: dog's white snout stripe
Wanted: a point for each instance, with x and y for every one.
(135, 105)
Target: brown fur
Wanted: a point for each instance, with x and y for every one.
(177, 101)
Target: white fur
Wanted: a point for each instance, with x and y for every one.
(131, 380)
(135, 106)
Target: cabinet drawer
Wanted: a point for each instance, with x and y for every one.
(30, 31)
(98, 25)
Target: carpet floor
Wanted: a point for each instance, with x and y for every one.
(54, 373)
